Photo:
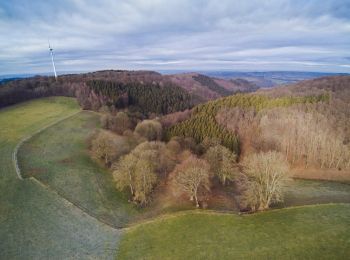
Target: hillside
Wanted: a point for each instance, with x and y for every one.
(339, 86)
(307, 121)
(103, 88)
(270, 79)
(199, 88)
(208, 88)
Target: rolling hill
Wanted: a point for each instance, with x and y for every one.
(201, 88)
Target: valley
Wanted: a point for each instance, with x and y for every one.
(74, 201)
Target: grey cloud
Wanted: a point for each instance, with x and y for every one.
(193, 35)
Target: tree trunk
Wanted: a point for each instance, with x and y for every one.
(131, 190)
(131, 187)
(196, 199)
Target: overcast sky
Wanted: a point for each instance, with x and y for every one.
(192, 35)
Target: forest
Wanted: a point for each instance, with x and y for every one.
(147, 98)
(203, 124)
(146, 92)
(247, 141)
(199, 87)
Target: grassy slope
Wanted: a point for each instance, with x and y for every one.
(309, 232)
(35, 223)
(59, 157)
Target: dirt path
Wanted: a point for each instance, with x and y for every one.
(35, 223)
(25, 139)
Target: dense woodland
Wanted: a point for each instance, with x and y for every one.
(146, 92)
(20, 90)
(202, 123)
(131, 83)
(148, 98)
(140, 160)
(247, 141)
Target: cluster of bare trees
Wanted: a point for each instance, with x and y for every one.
(305, 138)
(223, 163)
(140, 161)
(149, 129)
(243, 123)
(137, 159)
(139, 164)
(108, 147)
(140, 170)
(117, 123)
(304, 135)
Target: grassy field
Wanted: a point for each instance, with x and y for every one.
(34, 222)
(307, 192)
(59, 157)
(308, 232)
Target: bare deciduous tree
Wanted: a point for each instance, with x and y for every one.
(222, 163)
(150, 129)
(124, 173)
(108, 146)
(137, 174)
(264, 176)
(140, 169)
(306, 138)
(192, 175)
(145, 180)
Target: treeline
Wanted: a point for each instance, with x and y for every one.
(145, 92)
(144, 97)
(202, 123)
(20, 90)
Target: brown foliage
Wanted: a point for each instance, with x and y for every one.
(174, 118)
(263, 179)
(109, 147)
(149, 129)
(192, 177)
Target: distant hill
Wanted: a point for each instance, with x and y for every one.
(338, 86)
(208, 88)
(3, 81)
(270, 78)
(200, 88)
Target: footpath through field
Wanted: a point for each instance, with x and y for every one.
(36, 223)
(58, 158)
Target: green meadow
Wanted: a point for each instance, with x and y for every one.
(59, 158)
(35, 222)
(307, 232)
